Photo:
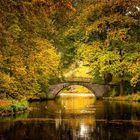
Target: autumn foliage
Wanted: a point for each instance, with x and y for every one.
(39, 38)
(3, 102)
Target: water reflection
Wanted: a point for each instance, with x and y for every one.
(77, 113)
(117, 110)
(63, 120)
(73, 104)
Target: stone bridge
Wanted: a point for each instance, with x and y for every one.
(97, 89)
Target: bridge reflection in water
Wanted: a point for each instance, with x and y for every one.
(50, 121)
(76, 103)
(76, 116)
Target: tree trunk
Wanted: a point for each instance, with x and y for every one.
(122, 81)
(121, 87)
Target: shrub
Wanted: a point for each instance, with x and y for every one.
(14, 107)
(111, 93)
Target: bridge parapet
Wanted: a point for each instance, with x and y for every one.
(78, 79)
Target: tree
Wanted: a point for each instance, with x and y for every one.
(28, 56)
(109, 34)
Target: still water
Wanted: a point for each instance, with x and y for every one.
(74, 118)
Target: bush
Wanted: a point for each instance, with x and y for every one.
(137, 98)
(13, 108)
(111, 93)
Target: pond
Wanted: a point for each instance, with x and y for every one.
(74, 117)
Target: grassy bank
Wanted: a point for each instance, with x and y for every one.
(11, 107)
(131, 98)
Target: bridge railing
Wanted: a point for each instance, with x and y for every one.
(78, 79)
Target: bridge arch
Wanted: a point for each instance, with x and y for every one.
(73, 84)
(97, 89)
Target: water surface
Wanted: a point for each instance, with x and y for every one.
(74, 118)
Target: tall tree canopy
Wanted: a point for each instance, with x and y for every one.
(107, 35)
(40, 37)
(28, 56)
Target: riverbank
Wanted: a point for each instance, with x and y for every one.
(131, 98)
(11, 107)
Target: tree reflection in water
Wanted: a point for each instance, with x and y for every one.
(63, 120)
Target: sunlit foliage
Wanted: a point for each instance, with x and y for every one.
(27, 55)
(38, 38)
(107, 35)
